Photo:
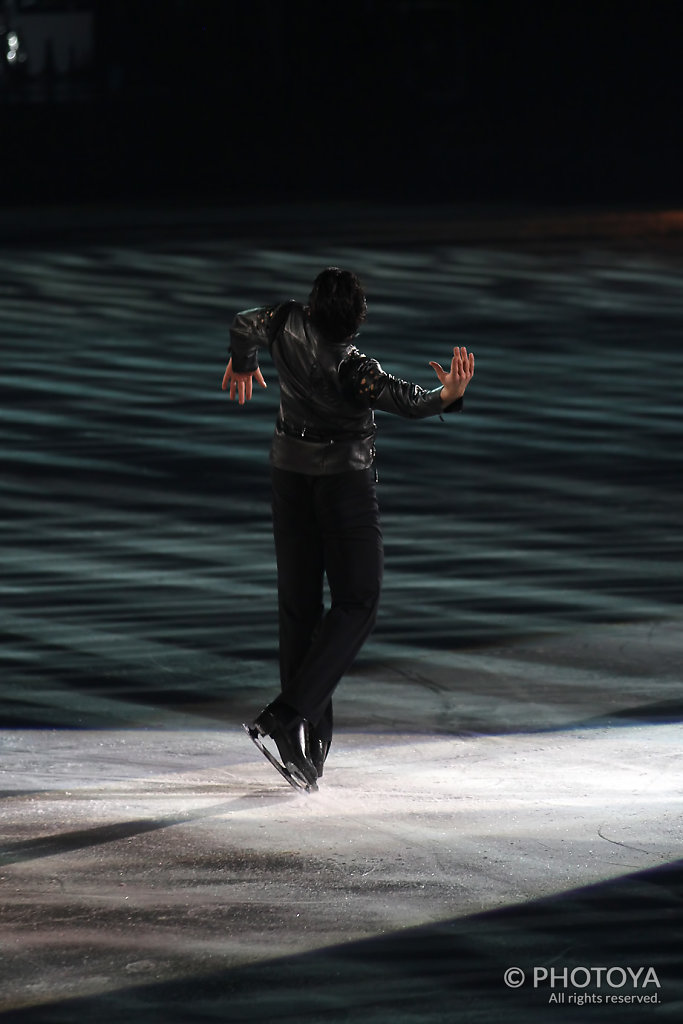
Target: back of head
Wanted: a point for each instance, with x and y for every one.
(337, 303)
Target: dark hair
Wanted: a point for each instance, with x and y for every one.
(337, 303)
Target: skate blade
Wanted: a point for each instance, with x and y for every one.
(292, 775)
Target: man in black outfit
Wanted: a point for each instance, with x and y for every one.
(325, 513)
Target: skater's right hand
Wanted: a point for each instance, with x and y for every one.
(460, 374)
(240, 383)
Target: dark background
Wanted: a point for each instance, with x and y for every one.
(457, 101)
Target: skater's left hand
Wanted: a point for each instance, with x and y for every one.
(460, 374)
(240, 384)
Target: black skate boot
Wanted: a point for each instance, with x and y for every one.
(316, 749)
(290, 740)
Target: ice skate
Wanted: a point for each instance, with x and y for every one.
(292, 764)
(316, 750)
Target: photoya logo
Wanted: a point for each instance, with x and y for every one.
(599, 977)
(607, 978)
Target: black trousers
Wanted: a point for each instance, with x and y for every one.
(324, 526)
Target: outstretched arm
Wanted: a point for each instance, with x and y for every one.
(248, 333)
(366, 383)
(456, 380)
(240, 384)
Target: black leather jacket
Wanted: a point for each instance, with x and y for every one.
(328, 391)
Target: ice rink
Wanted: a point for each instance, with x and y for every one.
(504, 793)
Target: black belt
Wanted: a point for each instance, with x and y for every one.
(303, 433)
